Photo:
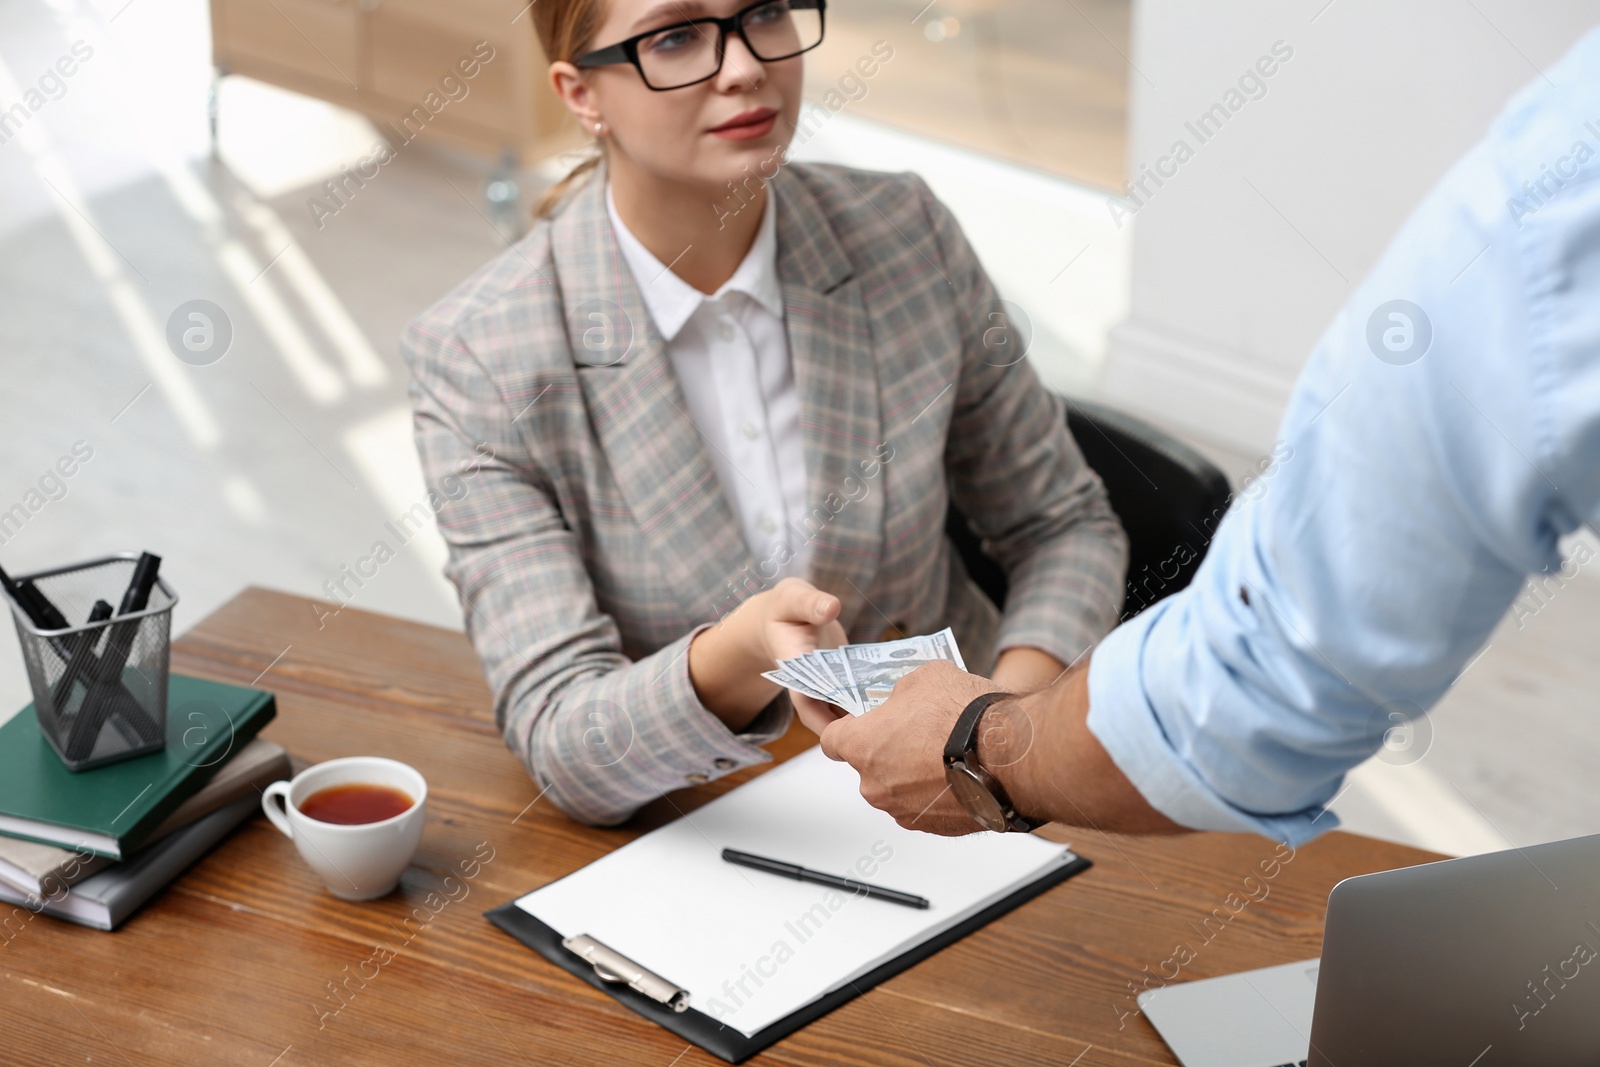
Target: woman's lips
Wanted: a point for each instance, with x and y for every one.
(748, 125)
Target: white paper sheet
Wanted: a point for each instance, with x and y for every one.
(752, 947)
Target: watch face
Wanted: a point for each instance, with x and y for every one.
(978, 801)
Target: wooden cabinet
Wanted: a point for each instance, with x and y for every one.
(468, 73)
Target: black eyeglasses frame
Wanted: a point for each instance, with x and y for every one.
(628, 51)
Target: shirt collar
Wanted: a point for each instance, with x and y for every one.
(671, 300)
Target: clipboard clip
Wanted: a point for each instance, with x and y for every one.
(613, 967)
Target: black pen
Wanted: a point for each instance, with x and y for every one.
(83, 664)
(804, 874)
(106, 690)
(36, 606)
(82, 656)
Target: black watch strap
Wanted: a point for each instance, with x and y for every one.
(964, 735)
(963, 743)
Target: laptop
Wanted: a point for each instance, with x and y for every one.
(1482, 961)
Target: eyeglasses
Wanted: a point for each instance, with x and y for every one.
(687, 53)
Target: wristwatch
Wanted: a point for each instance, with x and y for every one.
(979, 791)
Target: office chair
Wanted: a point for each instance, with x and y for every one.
(1168, 496)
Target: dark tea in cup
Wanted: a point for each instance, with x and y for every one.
(355, 803)
(356, 821)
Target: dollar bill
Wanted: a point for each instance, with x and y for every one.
(790, 679)
(858, 678)
(821, 679)
(874, 669)
(833, 661)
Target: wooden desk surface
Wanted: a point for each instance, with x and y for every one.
(232, 964)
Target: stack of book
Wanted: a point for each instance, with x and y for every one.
(92, 846)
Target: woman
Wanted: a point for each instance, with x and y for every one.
(712, 410)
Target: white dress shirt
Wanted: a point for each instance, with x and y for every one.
(731, 355)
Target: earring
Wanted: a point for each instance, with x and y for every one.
(599, 128)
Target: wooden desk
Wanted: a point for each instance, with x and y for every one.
(232, 964)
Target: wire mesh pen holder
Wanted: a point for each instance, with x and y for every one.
(99, 688)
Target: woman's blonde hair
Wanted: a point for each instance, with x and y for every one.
(565, 29)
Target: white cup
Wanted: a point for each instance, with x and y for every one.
(358, 861)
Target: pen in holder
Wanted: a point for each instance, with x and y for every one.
(98, 673)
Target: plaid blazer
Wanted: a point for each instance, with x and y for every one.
(589, 536)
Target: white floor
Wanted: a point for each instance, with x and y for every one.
(279, 464)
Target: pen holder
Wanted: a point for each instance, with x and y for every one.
(99, 688)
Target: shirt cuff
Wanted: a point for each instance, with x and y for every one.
(1129, 727)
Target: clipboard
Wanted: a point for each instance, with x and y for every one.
(734, 959)
(724, 1041)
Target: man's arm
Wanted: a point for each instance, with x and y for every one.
(1442, 438)
(1360, 575)
(1037, 744)
(1053, 768)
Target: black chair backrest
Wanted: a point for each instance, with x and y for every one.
(1168, 496)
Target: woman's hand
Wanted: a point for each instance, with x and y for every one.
(801, 618)
(795, 617)
(725, 662)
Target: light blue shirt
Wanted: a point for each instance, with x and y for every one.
(1430, 458)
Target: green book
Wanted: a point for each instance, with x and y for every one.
(112, 810)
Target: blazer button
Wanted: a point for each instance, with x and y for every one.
(723, 763)
(696, 779)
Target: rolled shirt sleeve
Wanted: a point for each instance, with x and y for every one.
(1429, 463)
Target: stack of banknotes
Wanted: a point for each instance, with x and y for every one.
(858, 678)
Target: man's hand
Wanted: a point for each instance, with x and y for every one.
(1039, 746)
(898, 748)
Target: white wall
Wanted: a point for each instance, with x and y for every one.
(1242, 257)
